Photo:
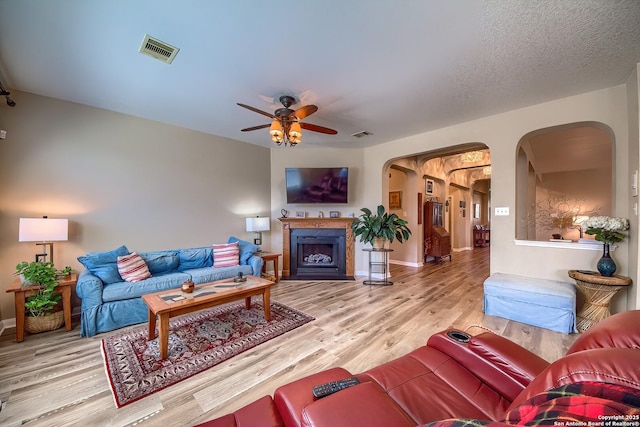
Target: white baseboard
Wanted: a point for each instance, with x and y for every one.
(7, 324)
(406, 263)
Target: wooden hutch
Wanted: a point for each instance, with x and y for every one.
(437, 240)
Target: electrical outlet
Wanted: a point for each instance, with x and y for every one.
(502, 211)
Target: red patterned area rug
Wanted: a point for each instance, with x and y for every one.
(197, 342)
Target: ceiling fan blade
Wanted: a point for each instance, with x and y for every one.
(255, 128)
(264, 113)
(316, 128)
(305, 111)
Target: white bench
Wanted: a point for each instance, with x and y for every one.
(549, 304)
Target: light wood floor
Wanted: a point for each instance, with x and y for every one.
(57, 378)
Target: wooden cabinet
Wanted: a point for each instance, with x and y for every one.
(437, 240)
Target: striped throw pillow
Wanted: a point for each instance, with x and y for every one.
(226, 255)
(132, 268)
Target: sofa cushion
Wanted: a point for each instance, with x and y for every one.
(104, 264)
(246, 249)
(127, 290)
(293, 397)
(347, 408)
(195, 258)
(160, 262)
(132, 268)
(428, 375)
(226, 255)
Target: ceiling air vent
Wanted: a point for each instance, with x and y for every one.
(158, 49)
(362, 134)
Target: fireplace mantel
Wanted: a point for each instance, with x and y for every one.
(290, 223)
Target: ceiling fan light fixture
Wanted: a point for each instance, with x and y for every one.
(285, 127)
(276, 128)
(295, 132)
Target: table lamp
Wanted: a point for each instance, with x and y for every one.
(45, 231)
(258, 225)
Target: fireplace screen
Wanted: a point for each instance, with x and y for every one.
(318, 253)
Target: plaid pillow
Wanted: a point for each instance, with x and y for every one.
(132, 268)
(226, 255)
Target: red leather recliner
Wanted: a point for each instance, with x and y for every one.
(486, 378)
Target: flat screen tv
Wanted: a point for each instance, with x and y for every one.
(317, 185)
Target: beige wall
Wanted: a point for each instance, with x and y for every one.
(120, 180)
(501, 134)
(633, 100)
(66, 160)
(285, 157)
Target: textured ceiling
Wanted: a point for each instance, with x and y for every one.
(393, 68)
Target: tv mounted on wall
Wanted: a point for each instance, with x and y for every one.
(317, 185)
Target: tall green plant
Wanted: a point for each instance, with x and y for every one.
(45, 276)
(369, 226)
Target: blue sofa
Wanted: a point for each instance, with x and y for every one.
(110, 303)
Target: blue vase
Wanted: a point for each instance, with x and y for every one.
(606, 265)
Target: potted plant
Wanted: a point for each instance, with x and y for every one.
(607, 230)
(376, 228)
(40, 307)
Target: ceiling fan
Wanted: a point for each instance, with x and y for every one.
(286, 126)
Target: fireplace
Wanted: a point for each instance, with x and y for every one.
(317, 249)
(318, 252)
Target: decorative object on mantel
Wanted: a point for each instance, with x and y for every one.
(377, 228)
(284, 212)
(607, 230)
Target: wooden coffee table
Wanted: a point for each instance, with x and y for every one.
(174, 302)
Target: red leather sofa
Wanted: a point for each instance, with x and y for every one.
(488, 379)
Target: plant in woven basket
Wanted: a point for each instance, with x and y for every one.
(45, 276)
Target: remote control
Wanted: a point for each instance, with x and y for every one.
(323, 390)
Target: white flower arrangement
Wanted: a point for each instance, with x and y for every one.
(606, 229)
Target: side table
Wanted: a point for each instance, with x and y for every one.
(266, 257)
(379, 266)
(598, 291)
(21, 293)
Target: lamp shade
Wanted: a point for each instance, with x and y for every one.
(43, 230)
(258, 224)
(276, 128)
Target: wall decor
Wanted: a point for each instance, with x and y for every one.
(395, 199)
(334, 214)
(428, 186)
(301, 214)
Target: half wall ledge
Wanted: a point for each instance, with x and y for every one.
(564, 245)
